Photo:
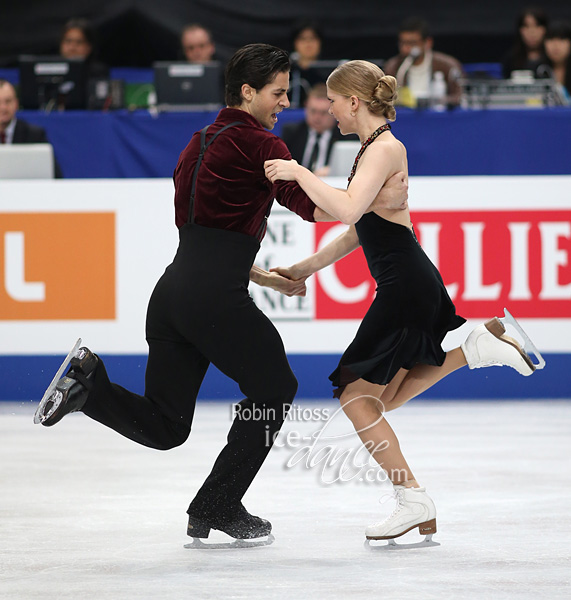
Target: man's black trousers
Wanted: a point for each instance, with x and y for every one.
(200, 312)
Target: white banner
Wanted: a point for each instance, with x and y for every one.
(79, 258)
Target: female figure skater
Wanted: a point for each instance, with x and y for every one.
(397, 351)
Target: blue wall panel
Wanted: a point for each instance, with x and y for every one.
(25, 378)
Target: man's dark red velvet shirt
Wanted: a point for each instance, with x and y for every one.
(232, 191)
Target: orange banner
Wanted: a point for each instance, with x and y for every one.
(57, 266)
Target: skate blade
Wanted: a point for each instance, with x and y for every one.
(39, 416)
(528, 346)
(392, 545)
(198, 544)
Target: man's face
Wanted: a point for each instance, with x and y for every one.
(317, 114)
(197, 46)
(270, 100)
(8, 104)
(413, 39)
(74, 44)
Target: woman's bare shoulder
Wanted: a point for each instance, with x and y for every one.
(387, 149)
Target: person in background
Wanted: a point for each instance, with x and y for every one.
(196, 43)
(78, 41)
(198, 48)
(310, 141)
(307, 40)
(417, 63)
(528, 50)
(558, 51)
(18, 131)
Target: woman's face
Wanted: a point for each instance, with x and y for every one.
(74, 44)
(307, 44)
(340, 108)
(532, 33)
(558, 49)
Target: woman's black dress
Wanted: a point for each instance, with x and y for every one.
(410, 315)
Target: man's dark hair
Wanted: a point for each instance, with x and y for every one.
(417, 25)
(254, 64)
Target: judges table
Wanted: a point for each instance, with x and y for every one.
(459, 142)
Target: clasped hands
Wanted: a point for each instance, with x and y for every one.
(281, 280)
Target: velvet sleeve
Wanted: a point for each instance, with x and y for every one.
(288, 193)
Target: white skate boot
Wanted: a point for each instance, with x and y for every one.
(414, 508)
(488, 346)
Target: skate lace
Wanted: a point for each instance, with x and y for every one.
(396, 494)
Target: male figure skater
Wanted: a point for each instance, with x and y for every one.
(200, 310)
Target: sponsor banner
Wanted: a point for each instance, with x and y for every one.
(48, 270)
(487, 259)
(80, 259)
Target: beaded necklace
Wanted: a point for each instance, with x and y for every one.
(365, 144)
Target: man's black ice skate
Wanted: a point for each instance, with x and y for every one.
(69, 393)
(237, 523)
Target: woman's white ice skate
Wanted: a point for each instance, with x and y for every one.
(488, 345)
(414, 508)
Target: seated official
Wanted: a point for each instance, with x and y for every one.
(197, 44)
(311, 141)
(417, 64)
(77, 41)
(17, 131)
(306, 39)
(528, 50)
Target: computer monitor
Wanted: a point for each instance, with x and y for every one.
(342, 158)
(26, 161)
(52, 82)
(183, 85)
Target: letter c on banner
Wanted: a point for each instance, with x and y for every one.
(328, 276)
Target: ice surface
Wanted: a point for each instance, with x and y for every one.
(86, 514)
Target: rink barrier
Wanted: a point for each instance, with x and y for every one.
(497, 241)
(24, 378)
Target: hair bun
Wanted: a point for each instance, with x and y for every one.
(385, 91)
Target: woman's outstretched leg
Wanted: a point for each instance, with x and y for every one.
(420, 378)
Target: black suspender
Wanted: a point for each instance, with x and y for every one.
(203, 147)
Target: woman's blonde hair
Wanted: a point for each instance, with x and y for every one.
(368, 82)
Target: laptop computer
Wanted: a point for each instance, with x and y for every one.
(26, 161)
(188, 86)
(342, 158)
